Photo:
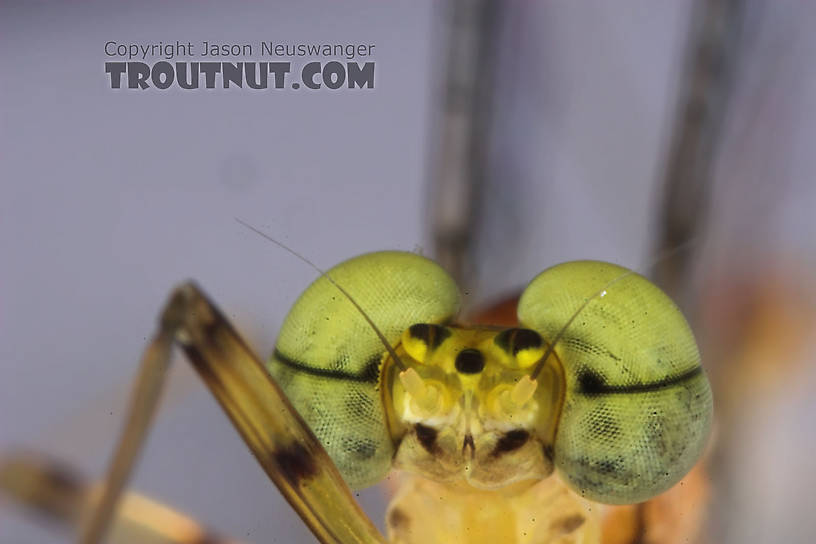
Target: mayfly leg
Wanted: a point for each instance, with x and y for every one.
(277, 436)
(57, 492)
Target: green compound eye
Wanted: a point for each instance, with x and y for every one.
(623, 409)
(637, 408)
(328, 358)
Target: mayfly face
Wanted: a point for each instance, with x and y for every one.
(468, 407)
(602, 382)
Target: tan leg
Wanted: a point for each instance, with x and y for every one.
(277, 436)
(52, 490)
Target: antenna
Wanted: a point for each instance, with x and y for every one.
(339, 287)
(602, 293)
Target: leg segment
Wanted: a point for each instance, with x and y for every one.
(277, 436)
(55, 491)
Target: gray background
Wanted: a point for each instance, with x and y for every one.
(109, 198)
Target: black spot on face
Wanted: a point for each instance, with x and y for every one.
(432, 335)
(549, 453)
(526, 339)
(468, 444)
(567, 524)
(470, 361)
(514, 340)
(511, 440)
(296, 463)
(426, 436)
(505, 340)
(398, 519)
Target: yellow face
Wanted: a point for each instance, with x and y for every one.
(466, 407)
(602, 382)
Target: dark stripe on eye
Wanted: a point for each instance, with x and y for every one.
(591, 384)
(370, 373)
(432, 335)
(514, 340)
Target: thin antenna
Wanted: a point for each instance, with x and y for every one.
(323, 273)
(601, 293)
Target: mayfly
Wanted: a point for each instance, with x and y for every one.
(601, 382)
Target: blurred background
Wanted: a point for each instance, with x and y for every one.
(499, 138)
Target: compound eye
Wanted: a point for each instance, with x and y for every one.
(422, 338)
(525, 345)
